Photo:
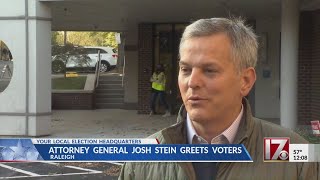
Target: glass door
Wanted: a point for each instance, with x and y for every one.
(166, 51)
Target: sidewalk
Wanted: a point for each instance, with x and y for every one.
(113, 123)
(106, 123)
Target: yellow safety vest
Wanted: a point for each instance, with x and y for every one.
(160, 83)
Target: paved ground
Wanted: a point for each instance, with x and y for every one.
(57, 171)
(4, 83)
(102, 123)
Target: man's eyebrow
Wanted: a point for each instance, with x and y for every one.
(183, 63)
(211, 64)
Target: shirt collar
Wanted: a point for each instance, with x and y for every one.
(228, 135)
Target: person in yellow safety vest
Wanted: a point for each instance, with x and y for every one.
(158, 80)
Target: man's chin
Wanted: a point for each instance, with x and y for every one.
(197, 115)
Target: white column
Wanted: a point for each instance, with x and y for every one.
(25, 105)
(39, 95)
(289, 63)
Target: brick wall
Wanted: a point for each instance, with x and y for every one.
(309, 67)
(145, 57)
(72, 100)
(315, 73)
(304, 68)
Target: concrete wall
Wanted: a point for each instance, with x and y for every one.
(25, 106)
(267, 100)
(131, 70)
(15, 100)
(86, 16)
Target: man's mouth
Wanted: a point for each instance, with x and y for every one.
(195, 98)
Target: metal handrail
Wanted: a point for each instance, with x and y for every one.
(124, 63)
(123, 68)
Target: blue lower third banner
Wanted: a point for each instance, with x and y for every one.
(118, 150)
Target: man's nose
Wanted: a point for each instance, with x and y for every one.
(195, 79)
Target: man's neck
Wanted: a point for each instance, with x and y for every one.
(214, 127)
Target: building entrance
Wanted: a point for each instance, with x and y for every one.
(166, 39)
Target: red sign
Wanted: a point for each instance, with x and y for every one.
(315, 125)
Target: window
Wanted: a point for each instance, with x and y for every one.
(91, 51)
(102, 51)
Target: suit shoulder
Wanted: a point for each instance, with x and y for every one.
(158, 135)
(269, 129)
(170, 135)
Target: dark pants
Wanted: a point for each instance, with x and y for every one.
(162, 96)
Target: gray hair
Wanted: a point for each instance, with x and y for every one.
(243, 41)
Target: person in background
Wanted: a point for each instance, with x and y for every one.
(216, 72)
(158, 80)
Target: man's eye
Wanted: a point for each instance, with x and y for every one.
(210, 70)
(184, 69)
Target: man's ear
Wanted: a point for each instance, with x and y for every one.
(248, 78)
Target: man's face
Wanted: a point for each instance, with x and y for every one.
(208, 80)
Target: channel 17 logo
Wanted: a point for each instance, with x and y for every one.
(276, 149)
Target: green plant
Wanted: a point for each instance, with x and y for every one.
(69, 83)
(85, 38)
